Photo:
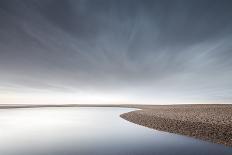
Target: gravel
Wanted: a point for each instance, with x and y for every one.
(207, 122)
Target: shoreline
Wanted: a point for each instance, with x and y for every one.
(6, 106)
(206, 122)
(212, 122)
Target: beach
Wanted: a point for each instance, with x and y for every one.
(207, 122)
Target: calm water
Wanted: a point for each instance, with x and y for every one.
(90, 131)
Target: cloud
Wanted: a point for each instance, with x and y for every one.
(147, 50)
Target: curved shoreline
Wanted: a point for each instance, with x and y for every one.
(206, 122)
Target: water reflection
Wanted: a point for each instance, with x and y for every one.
(89, 131)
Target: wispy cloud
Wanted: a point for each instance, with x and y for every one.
(148, 51)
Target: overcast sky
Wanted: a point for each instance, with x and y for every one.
(132, 51)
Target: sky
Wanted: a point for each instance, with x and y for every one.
(115, 51)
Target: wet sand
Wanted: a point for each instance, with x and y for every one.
(207, 122)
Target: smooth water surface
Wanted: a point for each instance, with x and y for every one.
(90, 131)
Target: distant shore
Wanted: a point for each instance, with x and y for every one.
(207, 122)
(13, 106)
